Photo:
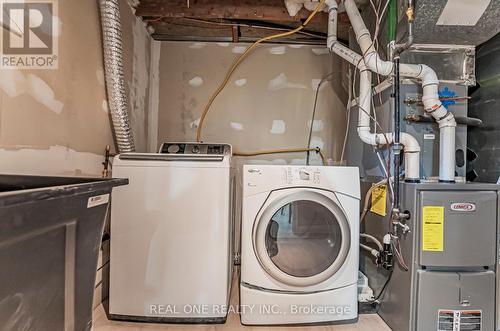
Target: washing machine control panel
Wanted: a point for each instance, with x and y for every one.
(195, 148)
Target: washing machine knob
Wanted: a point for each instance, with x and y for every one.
(173, 149)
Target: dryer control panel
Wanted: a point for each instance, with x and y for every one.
(301, 175)
(195, 148)
(269, 177)
(287, 175)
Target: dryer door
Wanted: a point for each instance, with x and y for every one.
(301, 238)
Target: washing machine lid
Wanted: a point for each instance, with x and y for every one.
(301, 236)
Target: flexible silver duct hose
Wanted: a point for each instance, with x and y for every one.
(115, 81)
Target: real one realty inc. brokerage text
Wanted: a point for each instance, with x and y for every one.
(268, 309)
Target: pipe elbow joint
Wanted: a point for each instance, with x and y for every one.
(448, 121)
(428, 76)
(330, 42)
(384, 139)
(409, 142)
(367, 137)
(377, 65)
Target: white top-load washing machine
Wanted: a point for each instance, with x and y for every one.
(171, 231)
(300, 236)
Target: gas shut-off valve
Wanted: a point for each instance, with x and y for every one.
(399, 221)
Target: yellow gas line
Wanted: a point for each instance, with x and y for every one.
(283, 151)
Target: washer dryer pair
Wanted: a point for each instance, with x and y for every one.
(300, 237)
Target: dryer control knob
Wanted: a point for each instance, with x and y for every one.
(304, 175)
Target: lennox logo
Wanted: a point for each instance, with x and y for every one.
(29, 38)
(463, 206)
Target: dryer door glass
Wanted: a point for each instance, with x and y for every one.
(303, 238)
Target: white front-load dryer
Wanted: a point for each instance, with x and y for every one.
(299, 244)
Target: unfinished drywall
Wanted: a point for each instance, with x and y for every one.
(136, 48)
(267, 103)
(56, 121)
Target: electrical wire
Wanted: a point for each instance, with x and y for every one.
(381, 294)
(240, 59)
(368, 196)
(374, 42)
(384, 168)
(283, 151)
(252, 26)
(368, 112)
(384, 10)
(313, 115)
(395, 243)
(396, 248)
(348, 110)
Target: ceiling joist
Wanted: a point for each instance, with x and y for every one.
(269, 10)
(167, 17)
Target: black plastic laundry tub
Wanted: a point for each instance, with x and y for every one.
(50, 235)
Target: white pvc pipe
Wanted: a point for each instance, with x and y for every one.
(411, 145)
(430, 98)
(447, 148)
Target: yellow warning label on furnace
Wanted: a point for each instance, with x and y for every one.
(379, 198)
(433, 228)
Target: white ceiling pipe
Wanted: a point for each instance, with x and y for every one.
(411, 145)
(430, 98)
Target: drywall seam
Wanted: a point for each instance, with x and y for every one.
(43, 93)
(240, 82)
(321, 51)
(239, 49)
(278, 50)
(15, 83)
(317, 125)
(194, 124)
(57, 160)
(281, 82)
(236, 126)
(278, 127)
(198, 45)
(195, 81)
(154, 95)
